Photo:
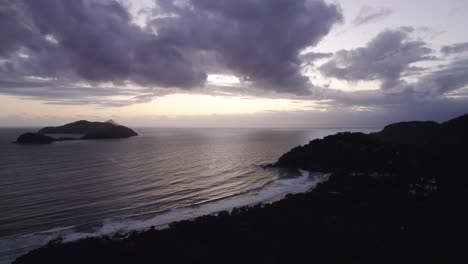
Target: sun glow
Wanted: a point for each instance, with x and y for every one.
(172, 105)
(197, 104)
(223, 80)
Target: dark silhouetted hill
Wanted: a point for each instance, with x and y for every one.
(410, 132)
(458, 124)
(456, 130)
(411, 150)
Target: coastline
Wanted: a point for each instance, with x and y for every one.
(395, 196)
(275, 191)
(341, 219)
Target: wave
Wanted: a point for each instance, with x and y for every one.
(270, 191)
(277, 190)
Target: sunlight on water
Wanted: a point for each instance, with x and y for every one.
(76, 189)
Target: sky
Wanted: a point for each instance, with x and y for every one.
(243, 63)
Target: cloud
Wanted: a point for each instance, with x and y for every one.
(440, 82)
(455, 48)
(442, 91)
(84, 52)
(15, 33)
(368, 14)
(259, 41)
(95, 42)
(385, 58)
(313, 56)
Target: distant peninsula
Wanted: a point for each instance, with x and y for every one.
(89, 130)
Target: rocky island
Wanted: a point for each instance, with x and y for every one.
(89, 130)
(395, 196)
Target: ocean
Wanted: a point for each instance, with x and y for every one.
(75, 189)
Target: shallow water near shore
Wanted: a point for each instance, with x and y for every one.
(76, 189)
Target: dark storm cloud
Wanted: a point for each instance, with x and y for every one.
(259, 41)
(369, 14)
(90, 52)
(12, 34)
(455, 48)
(95, 41)
(386, 58)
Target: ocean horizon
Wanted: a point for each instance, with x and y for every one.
(78, 189)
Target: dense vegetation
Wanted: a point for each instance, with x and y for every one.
(410, 151)
(393, 197)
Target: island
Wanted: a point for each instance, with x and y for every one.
(89, 130)
(395, 196)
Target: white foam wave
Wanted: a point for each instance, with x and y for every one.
(274, 192)
(270, 193)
